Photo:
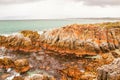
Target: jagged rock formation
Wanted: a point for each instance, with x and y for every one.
(88, 39)
(6, 63)
(51, 67)
(109, 72)
(81, 40)
(20, 65)
(101, 40)
(26, 41)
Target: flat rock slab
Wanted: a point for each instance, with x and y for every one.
(109, 72)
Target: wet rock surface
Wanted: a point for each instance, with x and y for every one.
(73, 52)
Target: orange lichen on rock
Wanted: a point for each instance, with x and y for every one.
(21, 65)
(34, 38)
(88, 39)
(26, 41)
(92, 64)
(33, 35)
(18, 78)
(81, 39)
(73, 52)
(72, 73)
(6, 63)
(2, 41)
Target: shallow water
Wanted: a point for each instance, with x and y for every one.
(13, 26)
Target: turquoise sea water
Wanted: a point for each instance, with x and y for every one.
(12, 26)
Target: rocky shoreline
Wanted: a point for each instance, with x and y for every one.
(73, 52)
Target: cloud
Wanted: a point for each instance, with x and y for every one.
(101, 2)
(85, 2)
(55, 9)
(6, 2)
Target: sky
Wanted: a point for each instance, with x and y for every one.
(58, 9)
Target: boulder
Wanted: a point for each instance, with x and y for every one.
(21, 65)
(26, 41)
(82, 40)
(6, 63)
(18, 78)
(72, 73)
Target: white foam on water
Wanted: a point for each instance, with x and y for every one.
(6, 35)
(17, 34)
(40, 32)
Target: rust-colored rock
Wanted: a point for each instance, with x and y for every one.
(26, 41)
(6, 63)
(82, 39)
(88, 76)
(33, 35)
(4, 76)
(47, 50)
(2, 41)
(71, 72)
(109, 72)
(21, 65)
(88, 39)
(18, 78)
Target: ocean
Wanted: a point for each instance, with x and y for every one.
(13, 26)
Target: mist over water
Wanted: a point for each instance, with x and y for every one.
(13, 26)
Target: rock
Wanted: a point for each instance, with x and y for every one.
(110, 71)
(6, 63)
(116, 53)
(4, 76)
(2, 41)
(85, 48)
(21, 65)
(33, 35)
(18, 78)
(89, 39)
(88, 76)
(13, 75)
(72, 73)
(2, 71)
(80, 40)
(26, 41)
(39, 77)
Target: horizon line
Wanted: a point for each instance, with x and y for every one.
(116, 18)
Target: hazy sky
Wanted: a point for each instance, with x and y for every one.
(52, 9)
